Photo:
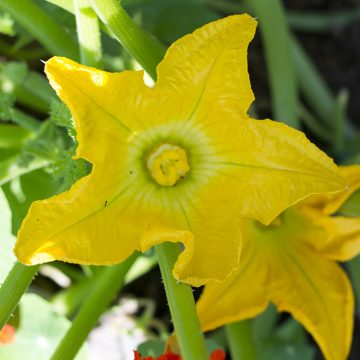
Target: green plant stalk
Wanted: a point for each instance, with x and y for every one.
(339, 116)
(316, 126)
(13, 288)
(41, 26)
(277, 44)
(313, 87)
(265, 323)
(322, 21)
(182, 306)
(240, 340)
(69, 300)
(298, 20)
(107, 286)
(146, 50)
(88, 33)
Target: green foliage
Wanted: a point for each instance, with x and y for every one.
(61, 116)
(6, 238)
(152, 348)
(6, 105)
(39, 332)
(351, 206)
(38, 142)
(12, 136)
(6, 24)
(170, 19)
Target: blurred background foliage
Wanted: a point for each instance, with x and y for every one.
(304, 66)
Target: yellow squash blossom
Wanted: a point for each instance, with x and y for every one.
(291, 264)
(178, 162)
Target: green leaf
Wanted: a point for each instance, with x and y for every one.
(152, 348)
(177, 20)
(12, 74)
(22, 192)
(6, 25)
(12, 136)
(7, 258)
(40, 330)
(281, 350)
(61, 116)
(351, 206)
(14, 166)
(6, 104)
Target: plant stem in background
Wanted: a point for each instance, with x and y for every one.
(42, 27)
(104, 291)
(182, 306)
(276, 38)
(146, 50)
(339, 115)
(313, 87)
(322, 21)
(88, 33)
(240, 339)
(13, 288)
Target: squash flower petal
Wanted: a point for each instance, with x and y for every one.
(340, 235)
(291, 264)
(179, 162)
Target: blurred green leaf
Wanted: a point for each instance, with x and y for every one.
(152, 348)
(170, 19)
(351, 206)
(340, 120)
(13, 167)
(6, 24)
(179, 19)
(12, 136)
(281, 350)
(40, 330)
(12, 74)
(7, 258)
(6, 105)
(61, 116)
(26, 189)
(67, 5)
(29, 87)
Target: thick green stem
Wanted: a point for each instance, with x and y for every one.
(276, 37)
(182, 306)
(88, 33)
(240, 339)
(13, 288)
(48, 32)
(146, 50)
(107, 286)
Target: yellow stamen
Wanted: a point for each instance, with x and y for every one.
(167, 164)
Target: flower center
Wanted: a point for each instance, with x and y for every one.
(167, 164)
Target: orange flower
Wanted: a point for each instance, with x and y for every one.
(215, 355)
(7, 334)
